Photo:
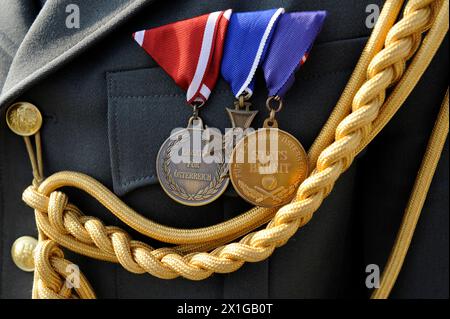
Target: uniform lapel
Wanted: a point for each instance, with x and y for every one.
(49, 43)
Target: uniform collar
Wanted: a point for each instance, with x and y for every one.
(49, 44)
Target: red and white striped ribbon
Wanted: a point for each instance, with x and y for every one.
(190, 51)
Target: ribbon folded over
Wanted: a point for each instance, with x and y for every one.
(249, 34)
(190, 51)
(289, 48)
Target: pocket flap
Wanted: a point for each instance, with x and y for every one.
(136, 125)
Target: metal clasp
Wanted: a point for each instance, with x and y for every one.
(273, 109)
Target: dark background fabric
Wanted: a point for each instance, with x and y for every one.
(108, 107)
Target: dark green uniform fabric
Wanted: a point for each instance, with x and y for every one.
(107, 108)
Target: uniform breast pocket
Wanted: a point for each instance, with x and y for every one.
(144, 106)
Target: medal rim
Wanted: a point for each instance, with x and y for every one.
(237, 189)
(173, 197)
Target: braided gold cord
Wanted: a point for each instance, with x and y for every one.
(51, 274)
(374, 44)
(415, 204)
(65, 224)
(414, 72)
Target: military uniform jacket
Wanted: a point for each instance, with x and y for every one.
(107, 108)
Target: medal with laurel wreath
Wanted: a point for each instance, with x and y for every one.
(190, 182)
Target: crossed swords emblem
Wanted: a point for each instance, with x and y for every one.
(272, 194)
(260, 194)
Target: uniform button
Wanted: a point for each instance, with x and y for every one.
(24, 118)
(22, 252)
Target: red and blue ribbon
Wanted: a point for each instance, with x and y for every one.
(191, 51)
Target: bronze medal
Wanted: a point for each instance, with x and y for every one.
(268, 165)
(193, 61)
(192, 181)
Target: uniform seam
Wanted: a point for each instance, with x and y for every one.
(110, 87)
(164, 95)
(2, 211)
(115, 133)
(136, 179)
(354, 38)
(145, 96)
(112, 72)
